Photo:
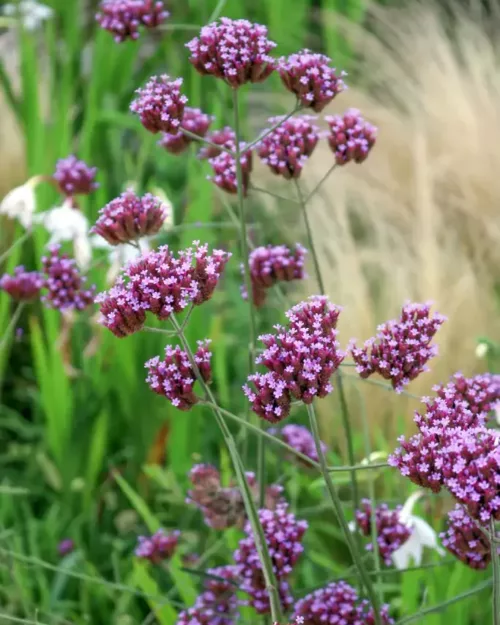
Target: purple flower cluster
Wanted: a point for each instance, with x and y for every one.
(272, 264)
(158, 547)
(283, 534)
(225, 137)
(300, 358)
(224, 171)
(129, 217)
(299, 437)
(391, 532)
(286, 150)
(223, 507)
(23, 286)
(123, 18)
(218, 604)
(465, 540)
(402, 347)
(160, 104)
(65, 546)
(337, 603)
(193, 120)
(310, 77)
(236, 51)
(64, 283)
(453, 448)
(351, 138)
(161, 284)
(174, 377)
(74, 177)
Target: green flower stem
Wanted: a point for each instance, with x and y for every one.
(282, 120)
(251, 510)
(496, 575)
(195, 137)
(320, 183)
(337, 506)
(12, 324)
(26, 235)
(387, 387)
(344, 410)
(274, 195)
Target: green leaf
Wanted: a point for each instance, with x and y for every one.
(140, 506)
(163, 609)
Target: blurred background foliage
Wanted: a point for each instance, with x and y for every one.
(86, 450)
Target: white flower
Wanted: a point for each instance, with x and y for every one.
(481, 350)
(422, 536)
(65, 223)
(120, 255)
(169, 223)
(32, 13)
(20, 204)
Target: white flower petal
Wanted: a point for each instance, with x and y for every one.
(410, 550)
(82, 251)
(405, 514)
(426, 534)
(20, 204)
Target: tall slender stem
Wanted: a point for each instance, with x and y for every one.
(337, 506)
(201, 139)
(248, 285)
(280, 122)
(17, 242)
(496, 575)
(344, 410)
(320, 183)
(251, 510)
(14, 319)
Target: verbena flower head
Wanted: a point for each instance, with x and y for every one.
(23, 286)
(158, 547)
(123, 18)
(391, 531)
(479, 393)
(174, 377)
(224, 171)
(272, 264)
(286, 150)
(351, 138)
(225, 137)
(305, 354)
(269, 396)
(465, 540)
(218, 603)
(309, 76)
(283, 534)
(64, 283)
(337, 603)
(129, 217)
(236, 51)
(402, 348)
(160, 104)
(194, 120)
(65, 546)
(223, 507)
(161, 283)
(75, 177)
(300, 438)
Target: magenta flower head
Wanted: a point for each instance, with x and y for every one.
(286, 150)
(224, 168)
(351, 138)
(65, 546)
(64, 283)
(283, 533)
(402, 347)
(195, 121)
(158, 547)
(74, 177)
(337, 603)
(160, 104)
(299, 437)
(479, 393)
(122, 18)
(272, 264)
(223, 507)
(218, 603)
(391, 532)
(269, 396)
(312, 80)
(129, 217)
(304, 354)
(465, 540)
(162, 284)
(23, 286)
(236, 51)
(225, 137)
(174, 377)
